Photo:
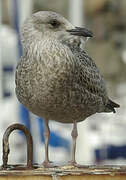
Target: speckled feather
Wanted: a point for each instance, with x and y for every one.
(55, 78)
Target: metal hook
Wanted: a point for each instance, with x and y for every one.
(6, 149)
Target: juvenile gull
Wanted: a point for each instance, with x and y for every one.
(55, 78)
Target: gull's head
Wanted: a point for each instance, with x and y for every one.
(49, 24)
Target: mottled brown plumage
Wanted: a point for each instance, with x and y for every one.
(55, 78)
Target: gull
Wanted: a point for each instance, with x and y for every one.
(55, 78)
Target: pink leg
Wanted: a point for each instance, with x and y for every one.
(46, 162)
(74, 135)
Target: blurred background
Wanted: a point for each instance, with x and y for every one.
(102, 137)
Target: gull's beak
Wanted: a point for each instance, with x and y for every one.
(78, 31)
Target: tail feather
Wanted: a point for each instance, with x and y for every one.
(111, 105)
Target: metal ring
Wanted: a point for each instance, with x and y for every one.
(6, 149)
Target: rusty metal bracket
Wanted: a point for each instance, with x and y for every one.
(6, 149)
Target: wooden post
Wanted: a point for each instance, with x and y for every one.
(35, 172)
(64, 173)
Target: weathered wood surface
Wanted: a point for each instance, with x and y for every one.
(64, 173)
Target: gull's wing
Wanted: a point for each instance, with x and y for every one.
(89, 76)
(91, 79)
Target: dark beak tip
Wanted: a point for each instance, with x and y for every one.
(78, 31)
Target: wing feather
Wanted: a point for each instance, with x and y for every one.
(89, 75)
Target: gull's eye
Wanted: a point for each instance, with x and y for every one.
(54, 23)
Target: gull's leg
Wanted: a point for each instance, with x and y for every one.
(74, 135)
(46, 162)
